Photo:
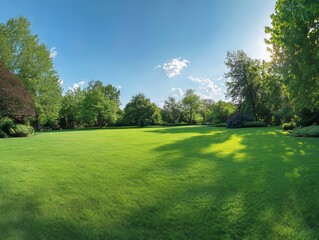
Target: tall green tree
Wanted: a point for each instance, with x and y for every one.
(172, 112)
(140, 111)
(24, 56)
(71, 108)
(205, 109)
(99, 107)
(191, 105)
(244, 76)
(294, 41)
(113, 93)
(221, 111)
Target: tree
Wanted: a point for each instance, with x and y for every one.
(244, 75)
(294, 40)
(24, 56)
(221, 111)
(15, 100)
(113, 93)
(71, 108)
(99, 107)
(205, 109)
(191, 104)
(141, 112)
(171, 112)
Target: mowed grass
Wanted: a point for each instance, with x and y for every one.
(160, 183)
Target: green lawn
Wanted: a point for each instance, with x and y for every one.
(160, 183)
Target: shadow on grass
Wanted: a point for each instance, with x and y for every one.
(201, 129)
(252, 184)
(21, 221)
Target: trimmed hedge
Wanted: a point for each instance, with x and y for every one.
(254, 124)
(311, 131)
(289, 126)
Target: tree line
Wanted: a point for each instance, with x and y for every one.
(283, 90)
(99, 105)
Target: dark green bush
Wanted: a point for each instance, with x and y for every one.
(3, 134)
(5, 124)
(289, 126)
(311, 131)
(20, 130)
(254, 124)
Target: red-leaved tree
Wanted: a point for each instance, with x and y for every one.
(15, 100)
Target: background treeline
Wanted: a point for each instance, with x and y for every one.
(284, 90)
(99, 105)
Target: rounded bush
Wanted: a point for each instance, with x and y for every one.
(289, 126)
(20, 130)
(5, 124)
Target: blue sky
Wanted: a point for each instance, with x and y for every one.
(157, 47)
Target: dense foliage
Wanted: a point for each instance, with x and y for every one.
(294, 43)
(141, 112)
(244, 75)
(20, 130)
(15, 100)
(9, 128)
(100, 104)
(221, 111)
(172, 111)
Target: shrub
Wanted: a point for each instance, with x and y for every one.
(20, 130)
(3, 134)
(5, 124)
(254, 124)
(237, 120)
(289, 126)
(311, 131)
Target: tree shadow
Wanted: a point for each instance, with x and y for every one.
(234, 184)
(201, 129)
(23, 217)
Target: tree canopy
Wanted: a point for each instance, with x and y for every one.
(191, 104)
(141, 112)
(294, 41)
(100, 104)
(15, 100)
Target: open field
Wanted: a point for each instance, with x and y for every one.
(160, 183)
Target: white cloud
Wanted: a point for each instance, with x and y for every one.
(76, 86)
(119, 87)
(174, 67)
(158, 66)
(53, 53)
(176, 92)
(61, 81)
(209, 89)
